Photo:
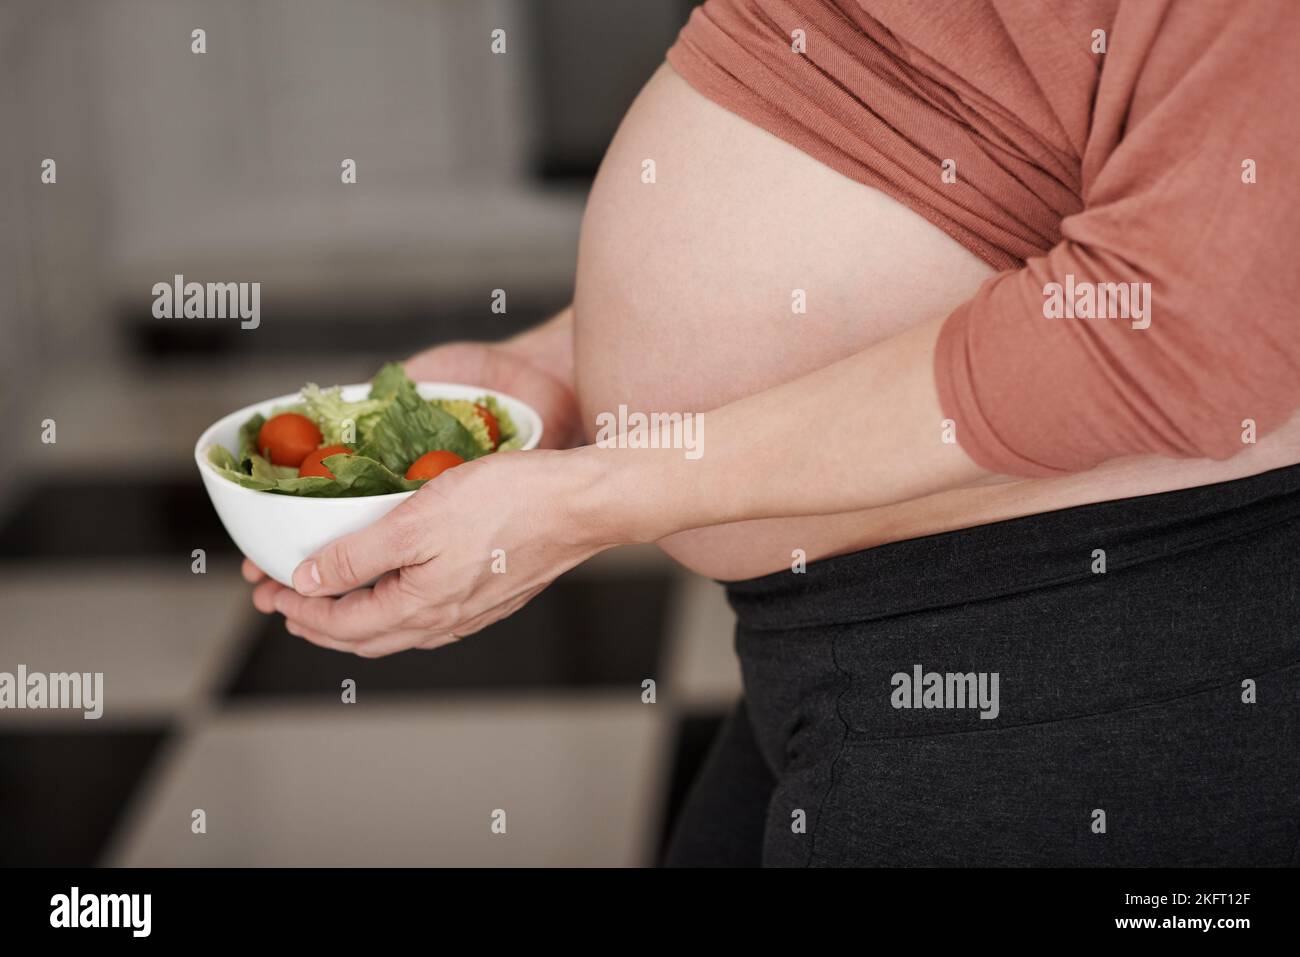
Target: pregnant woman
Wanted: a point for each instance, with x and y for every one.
(988, 308)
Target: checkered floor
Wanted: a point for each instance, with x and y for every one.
(211, 706)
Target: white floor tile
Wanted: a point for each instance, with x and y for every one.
(160, 634)
(702, 670)
(411, 784)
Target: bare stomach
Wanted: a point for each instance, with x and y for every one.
(688, 294)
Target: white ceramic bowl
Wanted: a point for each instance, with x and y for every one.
(278, 531)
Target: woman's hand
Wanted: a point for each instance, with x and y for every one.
(469, 548)
(536, 367)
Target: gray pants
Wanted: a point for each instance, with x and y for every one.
(992, 696)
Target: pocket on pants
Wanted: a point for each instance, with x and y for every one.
(1206, 779)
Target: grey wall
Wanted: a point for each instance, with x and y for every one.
(225, 166)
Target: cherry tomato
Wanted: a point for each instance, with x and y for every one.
(288, 438)
(432, 464)
(314, 464)
(490, 420)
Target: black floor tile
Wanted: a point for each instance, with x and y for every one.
(107, 519)
(62, 792)
(695, 734)
(578, 633)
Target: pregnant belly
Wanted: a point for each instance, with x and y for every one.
(717, 261)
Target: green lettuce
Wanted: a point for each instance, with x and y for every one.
(409, 427)
(394, 426)
(339, 421)
(354, 475)
(248, 440)
(464, 412)
(364, 476)
(263, 470)
(389, 381)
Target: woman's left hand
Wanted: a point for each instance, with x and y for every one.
(469, 548)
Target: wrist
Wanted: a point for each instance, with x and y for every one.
(616, 497)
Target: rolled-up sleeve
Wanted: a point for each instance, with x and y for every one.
(1192, 202)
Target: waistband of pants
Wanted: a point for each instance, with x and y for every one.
(1020, 554)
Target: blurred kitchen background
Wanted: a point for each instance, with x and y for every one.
(225, 166)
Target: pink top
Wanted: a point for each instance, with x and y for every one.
(1132, 165)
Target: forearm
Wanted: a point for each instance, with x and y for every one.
(864, 432)
(549, 346)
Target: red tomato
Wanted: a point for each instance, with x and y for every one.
(432, 464)
(314, 464)
(490, 420)
(288, 438)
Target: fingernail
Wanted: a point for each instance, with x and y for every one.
(307, 578)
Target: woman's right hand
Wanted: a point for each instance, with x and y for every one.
(535, 367)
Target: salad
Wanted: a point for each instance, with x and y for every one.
(391, 441)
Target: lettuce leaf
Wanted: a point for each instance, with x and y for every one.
(226, 464)
(409, 427)
(389, 381)
(314, 486)
(467, 415)
(263, 470)
(354, 475)
(333, 415)
(248, 441)
(465, 412)
(361, 475)
(222, 460)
